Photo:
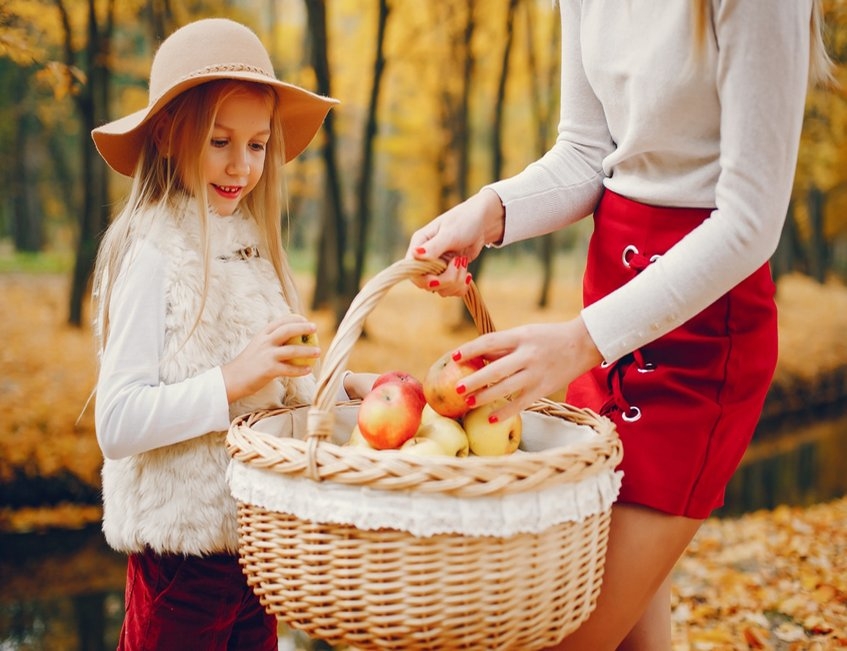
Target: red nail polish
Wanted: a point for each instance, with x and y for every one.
(493, 419)
(470, 401)
(457, 356)
(434, 283)
(420, 250)
(461, 388)
(468, 279)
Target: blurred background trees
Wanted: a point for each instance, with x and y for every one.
(438, 98)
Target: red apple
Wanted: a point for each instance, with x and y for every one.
(389, 415)
(406, 378)
(440, 382)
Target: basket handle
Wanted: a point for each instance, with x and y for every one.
(320, 419)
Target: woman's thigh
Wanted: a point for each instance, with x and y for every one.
(644, 546)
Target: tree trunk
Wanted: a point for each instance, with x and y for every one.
(330, 272)
(92, 105)
(363, 192)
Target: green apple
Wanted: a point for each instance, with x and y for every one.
(422, 447)
(488, 439)
(447, 433)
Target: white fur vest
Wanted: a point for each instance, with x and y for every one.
(175, 499)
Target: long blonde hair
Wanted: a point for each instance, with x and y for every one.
(820, 64)
(170, 163)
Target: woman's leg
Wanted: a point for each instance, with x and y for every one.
(644, 546)
(653, 630)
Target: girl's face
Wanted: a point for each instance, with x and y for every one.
(234, 158)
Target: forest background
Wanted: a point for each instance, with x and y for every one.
(438, 98)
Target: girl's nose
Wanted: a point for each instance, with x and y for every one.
(238, 165)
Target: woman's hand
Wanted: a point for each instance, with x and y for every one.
(457, 236)
(527, 363)
(268, 356)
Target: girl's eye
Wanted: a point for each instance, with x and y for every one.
(219, 142)
(258, 146)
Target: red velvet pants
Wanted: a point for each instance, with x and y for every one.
(182, 603)
(687, 404)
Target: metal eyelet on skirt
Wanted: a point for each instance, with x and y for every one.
(632, 414)
(629, 249)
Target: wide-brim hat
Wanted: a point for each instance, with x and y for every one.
(202, 51)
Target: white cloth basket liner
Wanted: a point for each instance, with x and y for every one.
(422, 514)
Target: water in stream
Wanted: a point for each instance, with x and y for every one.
(63, 590)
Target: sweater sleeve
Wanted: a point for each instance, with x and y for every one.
(762, 76)
(134, 411)
(565, 184)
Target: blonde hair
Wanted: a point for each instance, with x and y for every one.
(170, 165)
(820, 64)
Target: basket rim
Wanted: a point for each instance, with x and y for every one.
(397, 470)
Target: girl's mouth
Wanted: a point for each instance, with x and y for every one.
(228, 191)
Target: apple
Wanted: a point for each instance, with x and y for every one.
(446, 432)
(492, 439)
(306, 339)
(402, 376)
(422, 447)
(429, 414)
(356, 439)
(389, 415)
(440, 382)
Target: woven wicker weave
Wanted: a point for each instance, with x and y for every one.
(389, 589)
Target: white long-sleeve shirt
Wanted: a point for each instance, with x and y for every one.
(644, 116)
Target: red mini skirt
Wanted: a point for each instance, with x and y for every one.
(686, 405)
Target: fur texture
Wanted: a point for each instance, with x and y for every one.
(176, 499)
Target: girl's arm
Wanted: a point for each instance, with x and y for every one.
(134, 411)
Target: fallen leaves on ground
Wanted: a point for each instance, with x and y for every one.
(767, 580)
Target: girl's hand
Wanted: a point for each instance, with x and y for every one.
(268, 356)
(457, 236)
(357, 385)
(527, 363)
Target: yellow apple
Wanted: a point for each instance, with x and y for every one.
(422, 447)
(307, 339)
(488, 439)
(446, 432)
(356, 439)
(389, 415)
(440, 382)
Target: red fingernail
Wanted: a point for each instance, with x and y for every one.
(457, 262)
(420, 250)
(457, 356)
(434, 283)
(465, 261)
(461, 388)
(493, 419)
(468, 279)
(470, 401)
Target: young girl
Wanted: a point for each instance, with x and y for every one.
(679, 130)
(195, 304)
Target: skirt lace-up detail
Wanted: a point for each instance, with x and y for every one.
(633, 259)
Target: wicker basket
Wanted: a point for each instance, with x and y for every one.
(391, 589)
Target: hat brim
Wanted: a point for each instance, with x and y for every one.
(120, 142)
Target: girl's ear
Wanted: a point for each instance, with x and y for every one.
(161, 133)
